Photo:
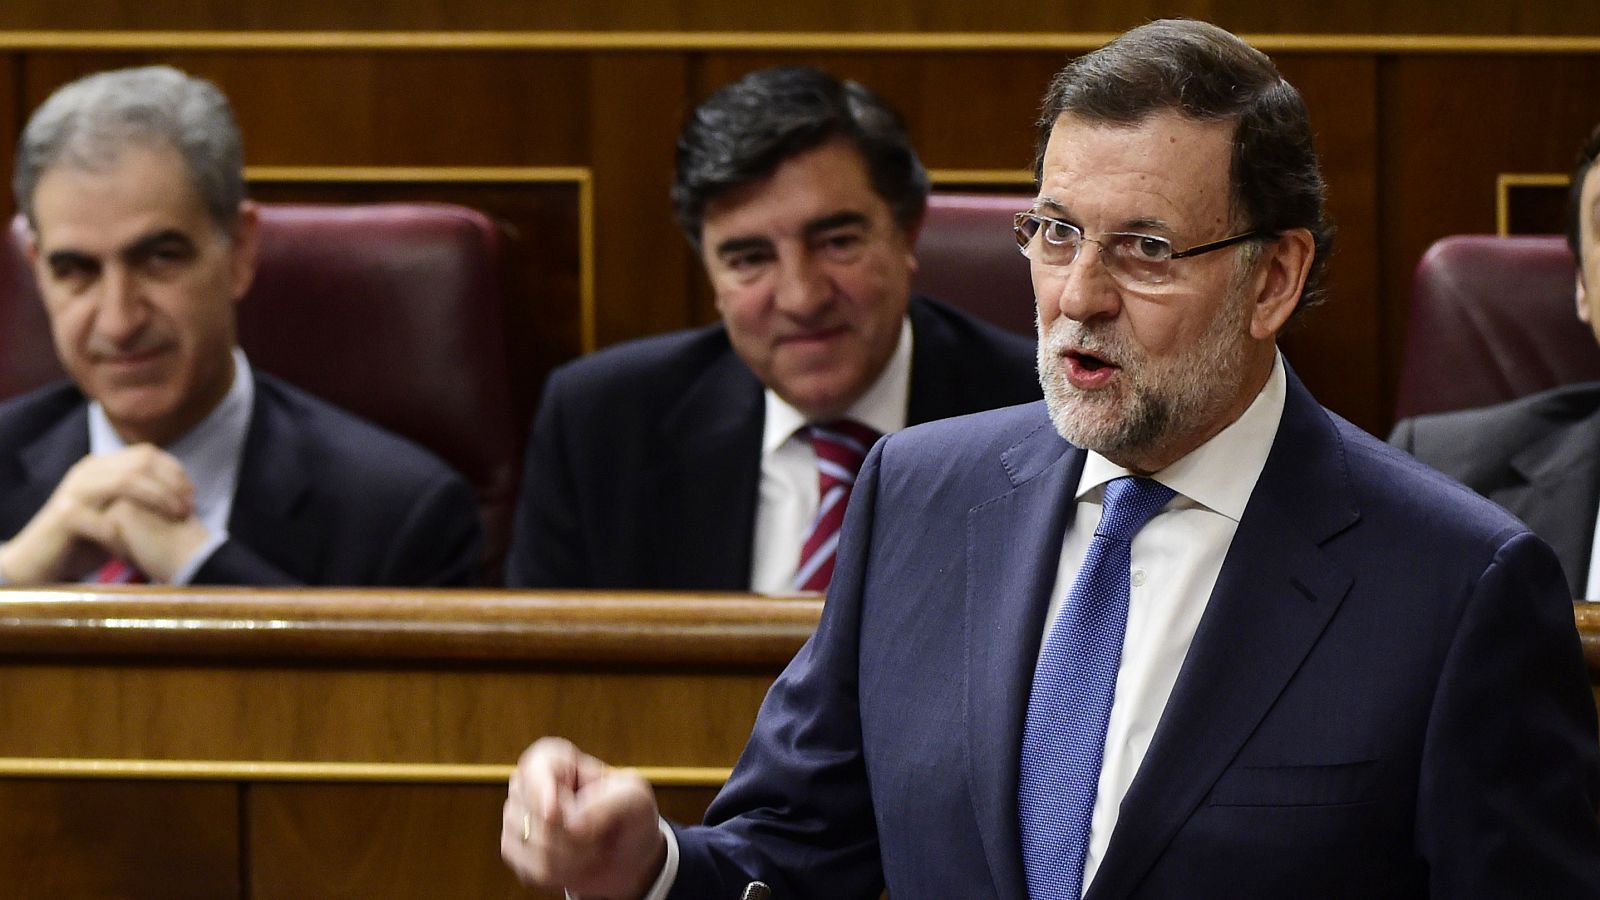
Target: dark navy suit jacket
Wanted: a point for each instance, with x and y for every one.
(1537, 456)
(644, 465)
(1385, 697)
(323, 497)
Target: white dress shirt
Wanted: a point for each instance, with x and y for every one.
(1592, 588)
(210, 454)
(1176, 559)
(789, 492)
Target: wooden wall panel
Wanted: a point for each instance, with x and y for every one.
(258, 696)
(358, 841)
(1448, 126)
(382, 109)
(1416, 17)
(968, 111)
(1334, 347)
(642, 262)
(115, 839)
(362, 715)
(394, 841)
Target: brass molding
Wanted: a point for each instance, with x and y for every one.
(582, 176)
(1587, 615)
(1505, 181)
(1021, 179)
(315, 772)
(763, 41)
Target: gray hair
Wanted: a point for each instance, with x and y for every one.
(1209, 75)
(87, 123)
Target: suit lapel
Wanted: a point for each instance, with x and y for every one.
(1274, 596)
(47, 458)
(1007, 597)
(1559, 494)
(712, 437)
(274, 483)
(934, 382)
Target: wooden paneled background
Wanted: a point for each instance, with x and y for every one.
(1494, 17)
(1418, 110)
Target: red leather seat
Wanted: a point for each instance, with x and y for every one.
(1492, 319)
(391, 311)
(967, 257)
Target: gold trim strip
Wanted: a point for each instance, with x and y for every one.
(582, 176)
(587, 329)
(797, 41)
(1019, 178)
(386, 773)
(1505, 181)
(389, 174)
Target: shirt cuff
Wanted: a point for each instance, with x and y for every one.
(186, 572)
(669, 869)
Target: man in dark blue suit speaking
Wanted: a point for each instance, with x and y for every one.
(1175, 632)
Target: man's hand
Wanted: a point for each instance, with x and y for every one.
(572, 822)
(75, 531)
(157, 545)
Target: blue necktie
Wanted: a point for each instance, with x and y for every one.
(1064, 735)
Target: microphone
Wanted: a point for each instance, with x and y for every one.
(756, 890)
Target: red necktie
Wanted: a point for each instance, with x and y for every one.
(841, 447)
(116, 571)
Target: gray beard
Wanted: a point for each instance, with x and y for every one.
(1159, 404)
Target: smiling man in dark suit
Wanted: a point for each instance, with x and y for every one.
(1538, 456)
(706, 459)
(168, 459)
(1175, 633)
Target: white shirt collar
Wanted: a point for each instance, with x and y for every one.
(209, 452)
(1221, 473)
(882, 407)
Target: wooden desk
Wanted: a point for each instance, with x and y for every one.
(240, 743)
(1588, 616)
(235, 743)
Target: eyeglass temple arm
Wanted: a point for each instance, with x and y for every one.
(1218, 245)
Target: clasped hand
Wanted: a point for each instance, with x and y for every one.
(136, 505)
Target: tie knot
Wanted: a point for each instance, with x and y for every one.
(1130, 503)
(843, 443)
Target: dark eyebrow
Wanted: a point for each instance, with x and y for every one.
(837, 220)
(1145, 224)
(143, 246)
(1045, 205)
(742, 244)
(62, 258)
(140, 248)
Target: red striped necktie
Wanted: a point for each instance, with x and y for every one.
(116, 571)
(840, 447)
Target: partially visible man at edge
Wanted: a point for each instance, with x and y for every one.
(1538, 456)
(720, 458)
(1200, 639)
(168, 458)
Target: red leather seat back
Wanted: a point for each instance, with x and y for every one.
(391, 311)
(27, 355)
(1492, 319)
(967, 257)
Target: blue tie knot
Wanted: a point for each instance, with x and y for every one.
(1130, 503)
